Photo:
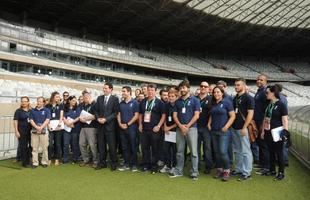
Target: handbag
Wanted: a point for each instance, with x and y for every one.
(252, 129)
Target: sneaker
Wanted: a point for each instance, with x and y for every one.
(83, 164)
(244, 178)
(123, 168)
(45, 166)
(160, 163)
(144, 169)
(279, 177)
(260, 172)
(235, 173)
(34, 166)
(225, 176)
(173, 175)
(165, 169)
(268, 173)
(57, 163)
(194, 178)
(219, 174)
(256, 166)
(134, 169)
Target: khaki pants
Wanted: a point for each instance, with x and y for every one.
(39, 141)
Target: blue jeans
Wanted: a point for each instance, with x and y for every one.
(204, 137)
(129, 147)
(191, 138)
(73, 140)
(243, 153)
(230, 146)
(220, 142)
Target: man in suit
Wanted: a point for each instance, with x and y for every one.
(106, 110)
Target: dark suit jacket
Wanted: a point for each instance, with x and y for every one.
(109, 111)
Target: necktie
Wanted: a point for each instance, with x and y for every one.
(105, 100)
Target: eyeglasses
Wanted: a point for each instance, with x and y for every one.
(204, 86)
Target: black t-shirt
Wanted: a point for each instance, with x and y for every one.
(204, 111)
(156, 112)
(22, 118)
(91, 109)
(242, 104)
(169, 115)
(55, 110)
(279, 110)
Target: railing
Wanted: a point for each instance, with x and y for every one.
(8, 141)
(300, 135)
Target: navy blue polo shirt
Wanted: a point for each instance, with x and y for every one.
(55, 110)
(157, 111)
(261, 103)
(128, 111)
(22, 117)
(243, 103)
(204, 114)
(279, 110)
(73, 114)
(169, 115)
(39, 116)
(191, 105)
(91, 109)
(220, 114)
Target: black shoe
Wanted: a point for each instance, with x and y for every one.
(113, 167)
(279, 177)
(268, 173)
(27, 166)
(207, 171)
(235, 173)
(244, 178)
(34, 166)
(45, 166)
(144, 169)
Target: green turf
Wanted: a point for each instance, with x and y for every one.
(73, 182)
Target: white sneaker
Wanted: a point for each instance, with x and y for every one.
(165, 169)
(124, 168)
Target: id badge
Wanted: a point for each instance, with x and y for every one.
(267, 124)
(53, 115)
(183, 110)
(147, 117)
(169, 119)
(236, 110)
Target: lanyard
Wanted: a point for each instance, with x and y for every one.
(149, 105)
(238, 99)
(269, 110)
(185, 102)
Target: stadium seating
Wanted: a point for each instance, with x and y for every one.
(208, 66)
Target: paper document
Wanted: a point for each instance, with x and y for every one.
(54, 125)
(171, 137)
(86, 114)
(276, 133)
(67, 128)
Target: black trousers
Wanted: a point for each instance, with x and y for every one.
(24, 145)
(150, 142)
(55, 145)
(107, 144)
(275, 153)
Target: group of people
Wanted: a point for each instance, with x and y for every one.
(211, 127)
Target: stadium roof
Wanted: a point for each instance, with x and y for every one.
(240, 27)
(278, 13)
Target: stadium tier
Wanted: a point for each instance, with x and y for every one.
(32, 42)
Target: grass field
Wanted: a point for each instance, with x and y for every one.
(73, 182)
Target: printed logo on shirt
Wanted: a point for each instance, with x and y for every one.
(189, 103)
(275, 108)
(43, 112)
(207, 101)
(221, 105)
(131, 105)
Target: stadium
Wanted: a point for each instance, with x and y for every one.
(76, 45)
